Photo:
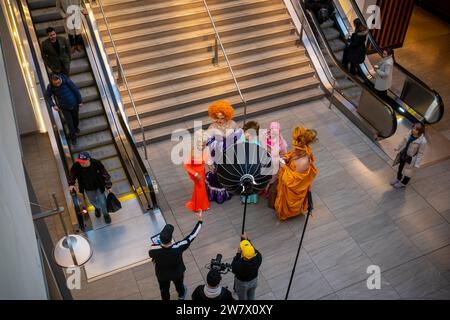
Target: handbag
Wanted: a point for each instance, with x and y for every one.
(112, 203)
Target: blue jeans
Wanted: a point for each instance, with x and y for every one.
(245, 289)
(98, 200)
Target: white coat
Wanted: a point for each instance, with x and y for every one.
(62, 6)
(383, 75)
(415, 150)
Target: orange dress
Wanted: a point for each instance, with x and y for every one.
(199, 200)
(293, 187)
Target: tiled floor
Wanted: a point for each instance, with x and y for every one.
(358, 220)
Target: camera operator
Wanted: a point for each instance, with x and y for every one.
(245, 267)
(168, 259)
(212, 290)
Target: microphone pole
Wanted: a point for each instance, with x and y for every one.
(310, 208)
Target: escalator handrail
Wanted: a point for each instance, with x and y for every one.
(123, 122)
(338, 64)
(396, 64)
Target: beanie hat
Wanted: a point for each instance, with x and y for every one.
(166, 234)
(248, 252)
(213, 278)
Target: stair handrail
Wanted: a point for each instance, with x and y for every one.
(219, 41)
(361, 84)
(123, 77)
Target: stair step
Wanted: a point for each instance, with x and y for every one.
(117, 175)
(39, 4)
(41, 28)
(122, 187)
(331, 33)
(99, 153)
(93, 124)
(265, 106)
(79, 66)
(327, 24)
(92, 140)
(214, 93)
(176, 29)
(84, 79)
(90, 109)
(336, 45)
(183, 16)
(89, 94)
(45, 14)
(111, 163)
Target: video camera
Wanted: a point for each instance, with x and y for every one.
(217, 264)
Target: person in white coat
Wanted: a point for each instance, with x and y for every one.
(410, 155)
(383, 72)
(71, 11)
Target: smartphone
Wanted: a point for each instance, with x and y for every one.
(155, 240)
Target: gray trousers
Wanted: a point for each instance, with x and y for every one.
(98, 200)
(245, 289)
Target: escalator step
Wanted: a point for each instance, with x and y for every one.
(91, 109)
(93, 140)
(93, 124)
(102, 152)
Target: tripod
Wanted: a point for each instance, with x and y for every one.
(310, 208)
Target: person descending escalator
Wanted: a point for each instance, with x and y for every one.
(355, 51)
(323, 9)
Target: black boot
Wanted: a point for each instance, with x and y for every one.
(97, 213)
(107, 218)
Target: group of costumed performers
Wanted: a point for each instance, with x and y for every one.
(293, 172)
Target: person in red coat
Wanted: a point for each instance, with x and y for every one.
(195, 167)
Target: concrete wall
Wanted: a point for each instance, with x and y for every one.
(21, 275)
(25, 116)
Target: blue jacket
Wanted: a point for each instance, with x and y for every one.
(67, 95)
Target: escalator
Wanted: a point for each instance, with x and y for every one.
(103, 131)
(350, 94)
(409, 96)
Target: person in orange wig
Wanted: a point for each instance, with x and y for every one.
(195, 167)
(223, 132)
(296, 175)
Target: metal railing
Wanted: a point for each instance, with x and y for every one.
(122, 76)
(218, 42)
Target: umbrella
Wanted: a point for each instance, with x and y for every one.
(244, 168)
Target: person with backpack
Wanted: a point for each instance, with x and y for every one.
(322, 9)
(212, 291)
(92, 179)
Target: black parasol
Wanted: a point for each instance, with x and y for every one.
(244, 168)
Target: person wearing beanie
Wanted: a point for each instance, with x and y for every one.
(212, 290)
(168, 259)
(245, 267)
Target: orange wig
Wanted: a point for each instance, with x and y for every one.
(221, 106)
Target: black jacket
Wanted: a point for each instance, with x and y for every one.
(199, 295)
(102, 177)
(169, 263)
(246, 270)
(357, 47)
(52, 59)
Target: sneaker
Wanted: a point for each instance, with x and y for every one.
(399, 185)
(97, 213)
(107, 218)
(184, 295)
(395, 181)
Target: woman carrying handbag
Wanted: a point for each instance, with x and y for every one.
(410, 155)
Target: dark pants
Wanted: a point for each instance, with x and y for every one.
(400, 176)
(353, 68)
(164, 287)
(72, 120)
(75, 40)
(383, 93)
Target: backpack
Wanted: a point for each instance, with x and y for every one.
(323, 15)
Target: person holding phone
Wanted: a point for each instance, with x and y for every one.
(168, 259)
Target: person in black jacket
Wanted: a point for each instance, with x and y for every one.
(245, 267)
(355, 52)
(168, 259)
(92, 179)
(68, 100)
(212, 291)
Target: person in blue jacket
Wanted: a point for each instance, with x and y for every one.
(68, 99)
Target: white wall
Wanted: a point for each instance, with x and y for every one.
(21, 274)
(21, 100)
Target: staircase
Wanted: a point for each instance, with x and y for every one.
(95, 136)
(166, 50)
(348, 88)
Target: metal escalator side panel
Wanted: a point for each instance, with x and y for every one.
(113, 105)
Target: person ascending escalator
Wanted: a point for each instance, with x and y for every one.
(323, 9)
